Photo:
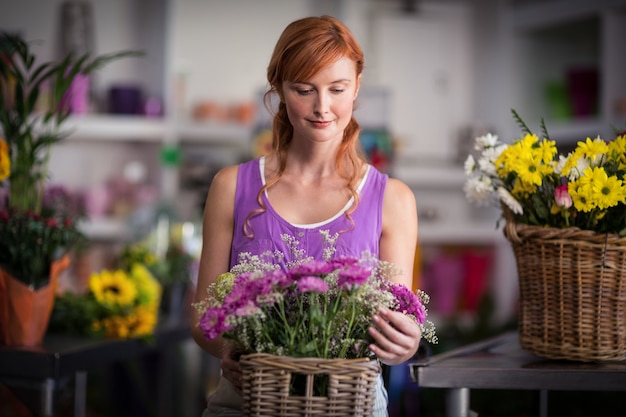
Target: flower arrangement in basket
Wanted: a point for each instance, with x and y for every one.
(566, 220)
(119, 304)
(311, 318)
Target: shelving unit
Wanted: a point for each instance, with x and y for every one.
(560, 36)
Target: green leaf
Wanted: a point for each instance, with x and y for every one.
(521, 122)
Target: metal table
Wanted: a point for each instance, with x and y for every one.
(500, 363)
(44, 368)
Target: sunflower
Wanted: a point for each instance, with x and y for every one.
(113, 288)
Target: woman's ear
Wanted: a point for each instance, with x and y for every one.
(358, 85)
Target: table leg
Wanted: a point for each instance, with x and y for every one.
(543, 403)
(80, 394)
(458, 402)
(47, 397)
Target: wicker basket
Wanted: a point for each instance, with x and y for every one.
(267, 378)
(572, 292)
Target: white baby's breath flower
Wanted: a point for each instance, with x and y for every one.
(479, 190)
(486, 141)
(510, 201)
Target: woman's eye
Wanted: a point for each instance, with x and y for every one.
(337, 90)
(304, 92)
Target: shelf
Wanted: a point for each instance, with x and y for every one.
(105, 229)
(479, 233)
(415, 174)
(546, 14)
(143, 129)
(115, 128)
(230, 134)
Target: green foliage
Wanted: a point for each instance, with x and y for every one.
(28, 241)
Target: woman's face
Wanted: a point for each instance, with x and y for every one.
(320, 108)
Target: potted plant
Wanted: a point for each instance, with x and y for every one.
(32, 241)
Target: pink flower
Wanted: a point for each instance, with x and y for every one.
(408, 302)
(312, 284)
(353, 276)
(316, 268)
(562, 197)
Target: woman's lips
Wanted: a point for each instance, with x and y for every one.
(320, 123)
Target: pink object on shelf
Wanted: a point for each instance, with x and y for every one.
(97, 201)
(77, 96)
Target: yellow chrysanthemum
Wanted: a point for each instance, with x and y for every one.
(113, 288)
(581, 196)
(617, 150)
(595, 189)
(547, 151)
(593, 149)
(5, 161)
(530, 160)
(607, 191)
(522, 189)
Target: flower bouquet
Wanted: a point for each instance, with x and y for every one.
(119, 304)
(316, 311)
(566, 220)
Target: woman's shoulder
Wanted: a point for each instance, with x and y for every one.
(225, 177)
(398, 193)
(228, 174)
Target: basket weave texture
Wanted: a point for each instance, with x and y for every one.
(572, 292)
(266, 386)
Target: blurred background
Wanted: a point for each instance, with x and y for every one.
(149, 133)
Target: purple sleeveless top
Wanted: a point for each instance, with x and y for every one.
(328, 239)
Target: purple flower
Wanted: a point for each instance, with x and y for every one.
(213, 323)
(353, 276)
(312, 284)
(408, 302)
(344, 261)
(317, 268)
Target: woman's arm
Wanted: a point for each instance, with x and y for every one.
(217, 235)
(396, 336)
(398, 239)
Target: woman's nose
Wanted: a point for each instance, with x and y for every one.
(322, 103)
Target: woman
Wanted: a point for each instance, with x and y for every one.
(315, 183)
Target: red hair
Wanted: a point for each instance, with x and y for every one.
(305, 47)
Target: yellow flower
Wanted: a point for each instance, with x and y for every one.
(113, 288)
(5, 161)
(148, 288)
(142, 321)
(617, 151)
(139, 322)
(593, 149)
(607, 191)
(595, 189)
(115, 327)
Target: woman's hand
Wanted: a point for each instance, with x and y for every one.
(396, 337)
(231, 370)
